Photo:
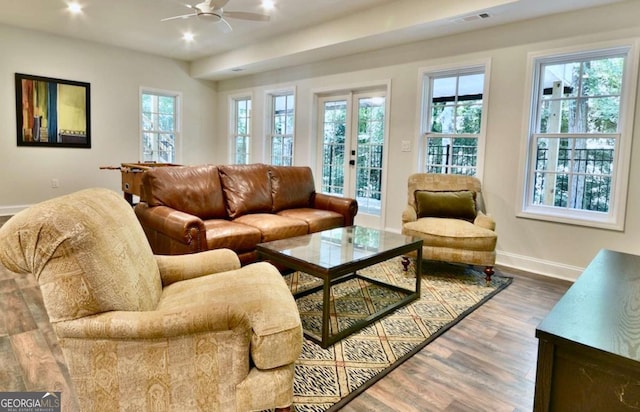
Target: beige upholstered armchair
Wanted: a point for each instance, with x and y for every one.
(154, 333)
(447, 213)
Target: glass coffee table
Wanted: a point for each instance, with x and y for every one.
(336, 256)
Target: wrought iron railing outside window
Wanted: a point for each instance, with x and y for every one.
(455, 158)
(582, 178)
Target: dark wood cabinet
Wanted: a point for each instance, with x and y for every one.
(589, 344)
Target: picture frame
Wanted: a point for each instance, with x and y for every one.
(52, 112)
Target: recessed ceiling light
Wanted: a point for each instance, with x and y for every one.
(74, 7)
(188, 36)
(268, 4)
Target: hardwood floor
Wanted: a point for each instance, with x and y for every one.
(487, 362)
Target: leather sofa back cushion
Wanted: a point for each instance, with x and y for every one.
(452, 205)
(191, 189)
(247, 189)
(292, 187)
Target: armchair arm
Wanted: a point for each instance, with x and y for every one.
(347, 207)
(409, 214)
(176, 268)
(172, 226)
(485, 221)
(191, 319)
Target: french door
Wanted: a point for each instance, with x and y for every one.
(353, 134)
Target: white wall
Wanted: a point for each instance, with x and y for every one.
(549, 248)
(116, 76)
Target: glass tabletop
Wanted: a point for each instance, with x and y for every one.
(335, 247)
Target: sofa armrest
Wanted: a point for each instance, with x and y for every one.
(172, 225)
(409, 214)
(182, 267)
(158, 324)
(347, 207)
(485, 221)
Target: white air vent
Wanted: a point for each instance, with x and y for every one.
(472, 17)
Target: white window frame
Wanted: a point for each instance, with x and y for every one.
(614, 218)
(233, 131)
(177, 121)
(270, 122)
(425, 76)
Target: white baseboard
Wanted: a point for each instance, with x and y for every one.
(12, 210)
(539, 266)
(534, 265)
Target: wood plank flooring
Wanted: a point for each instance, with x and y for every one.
(487, 362)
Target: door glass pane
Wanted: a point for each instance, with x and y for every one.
(333, 147)
(371, 118)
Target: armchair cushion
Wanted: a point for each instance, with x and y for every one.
(451, 233)
(446, 204)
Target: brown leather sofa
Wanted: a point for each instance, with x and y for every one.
(195, 208)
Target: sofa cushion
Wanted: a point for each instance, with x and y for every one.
(291, 187)
(235, 236)
(247, 189)
(191, 189)
(455, 204)
(318, 220)
(274, 227)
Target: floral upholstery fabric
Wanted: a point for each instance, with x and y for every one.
(154, 333)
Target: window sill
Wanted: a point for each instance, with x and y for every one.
(587, 219)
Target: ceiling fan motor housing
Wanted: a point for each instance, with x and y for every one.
(211, 15)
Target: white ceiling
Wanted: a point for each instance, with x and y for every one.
(300, 31)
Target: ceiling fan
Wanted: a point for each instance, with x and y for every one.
(212, 10)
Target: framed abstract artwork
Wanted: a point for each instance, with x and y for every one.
(52, 112)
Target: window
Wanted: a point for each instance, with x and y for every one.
(159, 112)
(282, 128)
(453, 120)
(241, 130)
(576, 137)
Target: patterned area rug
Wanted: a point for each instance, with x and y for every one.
(327, 379)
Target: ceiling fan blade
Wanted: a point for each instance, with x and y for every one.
(245, 15)
(225, 27)
(218, 4)
(184, 16)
